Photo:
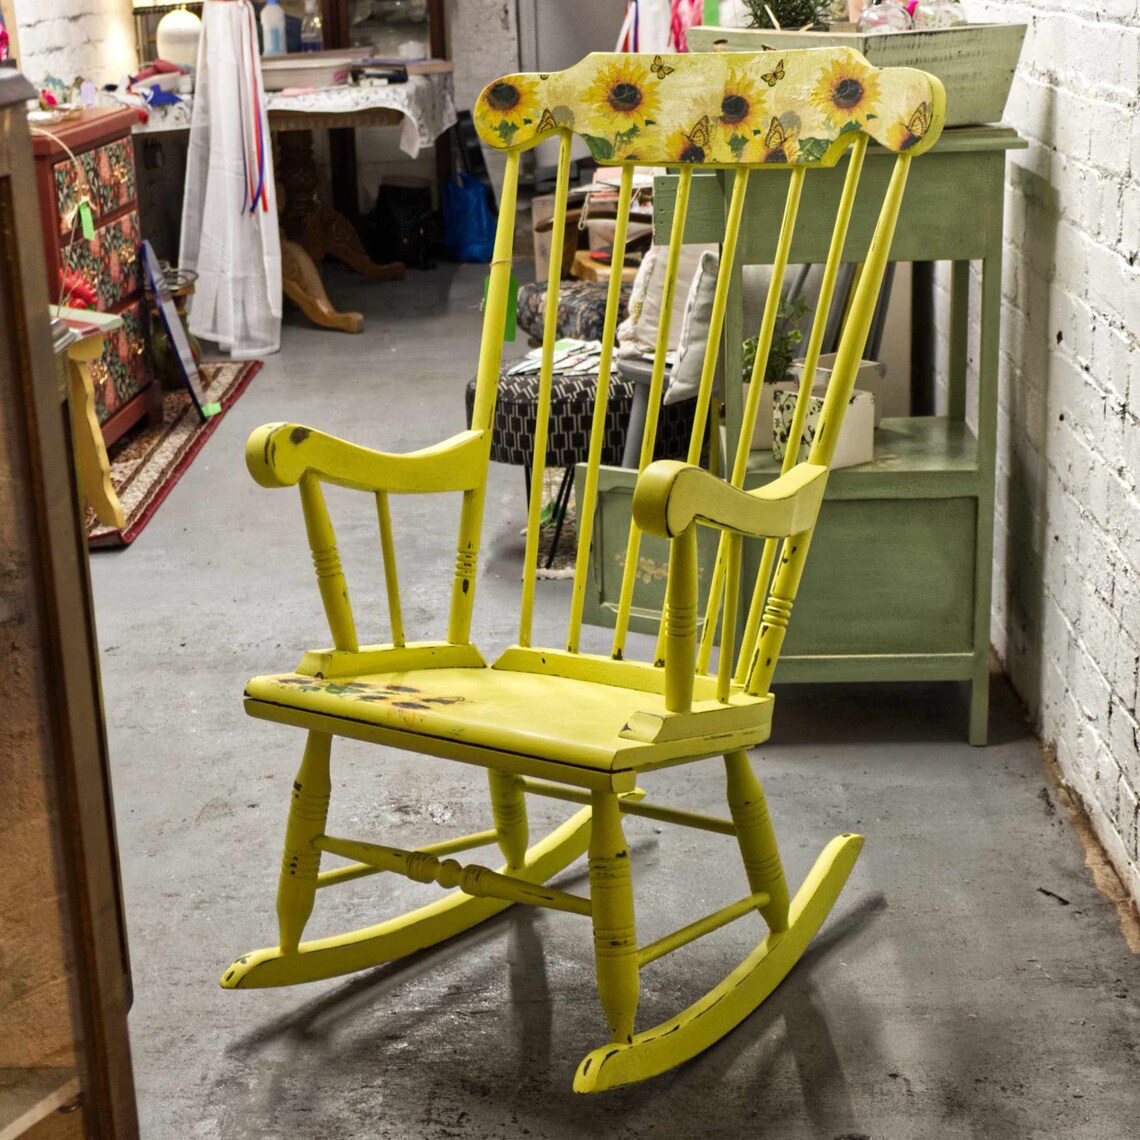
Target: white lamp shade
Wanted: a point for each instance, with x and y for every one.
(178, 34)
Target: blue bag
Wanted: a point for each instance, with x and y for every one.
(469, 225)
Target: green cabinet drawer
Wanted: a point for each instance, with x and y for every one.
(886, 577)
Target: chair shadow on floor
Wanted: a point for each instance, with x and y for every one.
(524, 1056)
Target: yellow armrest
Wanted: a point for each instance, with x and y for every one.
(277, 455)
(670, 496)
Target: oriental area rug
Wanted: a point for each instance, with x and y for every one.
(146, 463)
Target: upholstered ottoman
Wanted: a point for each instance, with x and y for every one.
(581, 308)
(568, 440)
(571, 411)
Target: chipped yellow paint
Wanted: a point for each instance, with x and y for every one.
(556, 722)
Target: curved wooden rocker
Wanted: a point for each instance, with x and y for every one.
(726, 1005)
(586, 728)
(387, 941)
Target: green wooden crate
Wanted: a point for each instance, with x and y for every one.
(975, 62)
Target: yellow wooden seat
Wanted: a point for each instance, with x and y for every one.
(584, 724)
(553, 721)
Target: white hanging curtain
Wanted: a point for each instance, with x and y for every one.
(647, 26)
(229, 214)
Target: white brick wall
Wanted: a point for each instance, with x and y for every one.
(66, 38)
(1067, 541)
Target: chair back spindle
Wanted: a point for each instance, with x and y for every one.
(653, 410)
(589, 497)
(490, 358)
(391, 581)
(545, 379)
(819, 326)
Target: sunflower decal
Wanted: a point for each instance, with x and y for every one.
(741, 112)
(507, 104)
(623, 96)
(847, 92)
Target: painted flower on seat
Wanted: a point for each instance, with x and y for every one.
(902, 135)
(623, 96)
(847, 92)
(508, 103)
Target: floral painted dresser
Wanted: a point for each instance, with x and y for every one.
(89, 211)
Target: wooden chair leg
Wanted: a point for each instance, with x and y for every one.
(615, 938)
(508, 807)
(757, 838)
(301, 861)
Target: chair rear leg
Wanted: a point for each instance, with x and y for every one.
(757, 838)
(308, 812)
(508, 808)
(615, 937)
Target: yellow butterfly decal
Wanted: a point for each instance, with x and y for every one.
(771, 77)
(547, 122)
(701, 134)
(776, 136)
(660, 68)
(919, 123)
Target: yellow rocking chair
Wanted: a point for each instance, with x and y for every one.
(558, 722)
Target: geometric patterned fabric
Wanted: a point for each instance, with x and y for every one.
(571, 413)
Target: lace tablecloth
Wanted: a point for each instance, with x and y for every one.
(425, 101)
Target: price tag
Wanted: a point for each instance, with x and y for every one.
(86, 223)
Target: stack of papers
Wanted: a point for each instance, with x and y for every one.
(571, 358)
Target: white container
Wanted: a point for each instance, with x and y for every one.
(311, 68)
(856, 442)
(177, 37)
(272, 29)
(869, 377)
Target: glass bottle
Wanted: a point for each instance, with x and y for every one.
(937, 13)
(884, 16)
(312, 33)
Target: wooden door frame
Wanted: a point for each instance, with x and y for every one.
(67, 663)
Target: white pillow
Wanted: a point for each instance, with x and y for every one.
(637, 336)
(684, 381)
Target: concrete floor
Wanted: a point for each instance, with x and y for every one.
(947, 996)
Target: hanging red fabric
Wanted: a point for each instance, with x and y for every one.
(686, 14)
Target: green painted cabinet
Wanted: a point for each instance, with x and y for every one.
(897, 586)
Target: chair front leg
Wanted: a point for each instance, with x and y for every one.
(301, 861)
(757, 838)
(615, 937)
(508, 808)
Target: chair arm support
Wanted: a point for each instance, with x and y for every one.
(670, 497)
(278, 455)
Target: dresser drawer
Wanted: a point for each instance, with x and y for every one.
(124, 369)
(109, 263)
(105, 175)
